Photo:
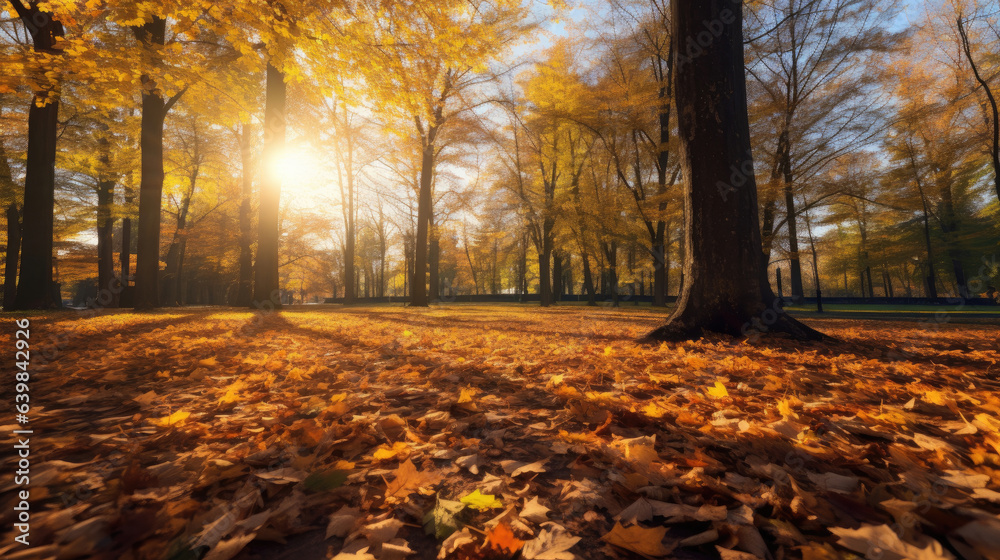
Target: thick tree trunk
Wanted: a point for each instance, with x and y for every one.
(150, 196)
(557, 276)
(266, 277)
(545, 278)
(244, 293)
(418, 285)
(13, 252)
(725, 287)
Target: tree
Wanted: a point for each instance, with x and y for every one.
(994, 112)
(726, 288)
(266, 280)
(35, 286)
(815, 69)
(152, 37)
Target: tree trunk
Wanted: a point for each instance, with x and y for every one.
(433, 259)
(35, 288)
(266, 277)
(107, 288)
(588, 281)
(13, 252)
(794, 267)
(725, 286)
(244, 294)
(418, 286)
(152, 35)
(557, 276)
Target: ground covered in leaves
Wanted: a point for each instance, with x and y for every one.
(502, 432)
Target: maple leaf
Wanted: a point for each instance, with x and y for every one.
(481, 502)
(501, 538)
(409, 480)
(648, 542)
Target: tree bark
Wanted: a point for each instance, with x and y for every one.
(433, 259)
(418, 285)
(35, 284)
(13, 252)
(557, 276)
(154, 110)
(725, 287)
(244, 293)
(266, 279)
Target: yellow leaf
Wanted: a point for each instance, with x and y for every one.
(608, 350)
(466, 395)
(384, 452)
(407, 333)
(934, 397)
(785, 408)
(232, 393)
(209, 362)
(481, 502)
(172, 420)
(555, 380)
(718, 392)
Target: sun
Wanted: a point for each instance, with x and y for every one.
(298, 170)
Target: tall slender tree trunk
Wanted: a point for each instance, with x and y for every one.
(152, 35)
(418, 285)
(13, 252)
(125, 253)
(35, 284)
(557, 276)
(266, 279)
(244, 293)
(434, 259)
(725, 287)
(105, 243)
(588, 281)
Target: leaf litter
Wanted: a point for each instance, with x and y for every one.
(501, 432)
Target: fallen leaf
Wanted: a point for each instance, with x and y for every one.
(648, 542)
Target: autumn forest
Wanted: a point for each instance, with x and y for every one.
(500, 279)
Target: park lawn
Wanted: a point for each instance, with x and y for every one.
(326, 431)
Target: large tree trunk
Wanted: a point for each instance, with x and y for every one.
(418, 285)
(13, 252)
(244, 293)
(35, 285)
(152, 35)
(725, 287)
(266, 277)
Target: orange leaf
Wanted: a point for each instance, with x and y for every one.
(502, 539)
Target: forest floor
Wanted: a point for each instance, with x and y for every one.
(500, 432)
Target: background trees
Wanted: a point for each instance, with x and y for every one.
(433, 151)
